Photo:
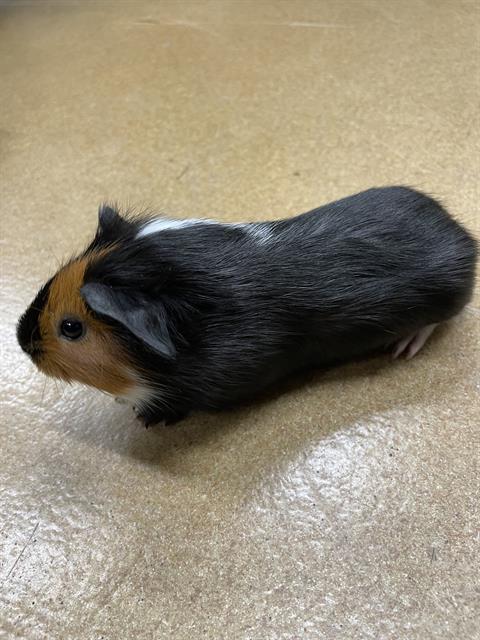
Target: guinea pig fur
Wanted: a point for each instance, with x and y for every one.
(178, 315)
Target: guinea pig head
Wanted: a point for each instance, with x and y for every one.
(81, 327)
(65, 340)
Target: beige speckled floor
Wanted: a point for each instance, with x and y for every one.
(346, 508)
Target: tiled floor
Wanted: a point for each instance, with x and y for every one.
(347, 507)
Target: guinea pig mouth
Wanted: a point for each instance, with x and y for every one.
(36, 354)
(33, 350)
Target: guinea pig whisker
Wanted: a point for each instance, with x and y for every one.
(54, 255)
(43, 390)
(101, 368)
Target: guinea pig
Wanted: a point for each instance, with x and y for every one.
(182, 315)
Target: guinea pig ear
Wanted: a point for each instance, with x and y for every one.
(108, 218)
(147, 320)
(111, 227)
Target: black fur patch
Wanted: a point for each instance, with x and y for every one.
(28, 330)
(112, 227)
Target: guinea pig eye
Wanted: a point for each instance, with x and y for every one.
(71, 328)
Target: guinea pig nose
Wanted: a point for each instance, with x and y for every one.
(28, 332)
(31, 348)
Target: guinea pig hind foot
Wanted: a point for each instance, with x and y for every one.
(413, 343)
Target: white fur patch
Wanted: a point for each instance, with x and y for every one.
(163, 224)
(139, 396)
(260, 231)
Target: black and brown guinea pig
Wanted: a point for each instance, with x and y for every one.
(178, 315)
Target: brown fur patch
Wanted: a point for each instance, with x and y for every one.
(95, 359)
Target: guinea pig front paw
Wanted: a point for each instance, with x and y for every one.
(174, 417)
(154, 416)
(147, 417)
